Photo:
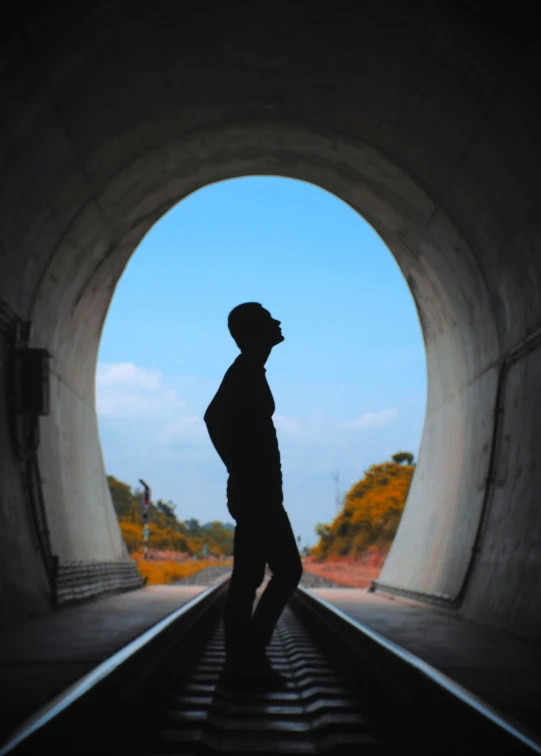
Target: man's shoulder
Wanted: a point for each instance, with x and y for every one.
(233, 371)
(235, 375)
(237, 364)
(242, 368)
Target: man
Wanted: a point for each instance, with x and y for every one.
(239, 422)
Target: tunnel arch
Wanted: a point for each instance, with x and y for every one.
(106, 135)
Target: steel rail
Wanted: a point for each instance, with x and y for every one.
(409, 703)
(120, 672)
(363, 651)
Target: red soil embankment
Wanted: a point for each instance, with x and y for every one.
(347, 571)
(176, 556)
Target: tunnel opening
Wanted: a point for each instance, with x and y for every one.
(418, 128)
(452, 302)
(349, 381)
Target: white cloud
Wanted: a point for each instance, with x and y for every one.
(124, 390)
(373, 420)
(127, 374)
(286, 424)
(184, 429)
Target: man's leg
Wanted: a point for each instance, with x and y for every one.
(248, 573)
(283, 558)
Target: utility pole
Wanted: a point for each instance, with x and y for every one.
(145, 501)
(336, 478)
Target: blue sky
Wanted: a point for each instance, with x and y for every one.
(349, 381)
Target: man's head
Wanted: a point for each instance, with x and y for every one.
(253, 327)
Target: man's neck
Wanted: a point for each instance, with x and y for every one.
(257, 356)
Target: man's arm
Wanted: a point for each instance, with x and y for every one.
(218, 422)
(230, 420)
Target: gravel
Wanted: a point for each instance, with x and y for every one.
(309, 580)
(211, 575)
(207, 576)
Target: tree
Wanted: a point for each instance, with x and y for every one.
(166, 532)
(193, 525)
(167, 509)
(217, 536)
(135, 517)
(121, 495)
(372, 510)
(400, 457)
(322, 530)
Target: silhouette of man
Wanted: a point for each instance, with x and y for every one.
(239, 422)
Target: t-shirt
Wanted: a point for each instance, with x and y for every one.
(239, 422)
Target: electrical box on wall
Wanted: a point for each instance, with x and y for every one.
(32, 381)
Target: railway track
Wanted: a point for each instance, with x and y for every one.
(351, 692)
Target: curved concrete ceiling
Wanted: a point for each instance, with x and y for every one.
(112, 115)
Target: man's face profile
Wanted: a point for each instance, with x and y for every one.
(270, 328)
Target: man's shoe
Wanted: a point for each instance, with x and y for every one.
(259, 675)
(268, 676)
(236, 680)
(238, 675)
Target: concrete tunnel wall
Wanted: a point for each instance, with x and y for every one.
(109, 117)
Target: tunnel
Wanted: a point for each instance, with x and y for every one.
(420, 116)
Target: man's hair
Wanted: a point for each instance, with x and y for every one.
(243, 322)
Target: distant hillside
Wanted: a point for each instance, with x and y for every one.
(371, 512)
(167, 533)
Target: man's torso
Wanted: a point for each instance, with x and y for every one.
(239, 420)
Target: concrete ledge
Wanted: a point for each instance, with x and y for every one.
(41, 657)
(81, 580)
(502, 669)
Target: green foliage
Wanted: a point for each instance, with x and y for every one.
(371, 512)
(194, 528)
(400, 457)
(221, 536)
(122, 496)
(135, 517)
(167, 509)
